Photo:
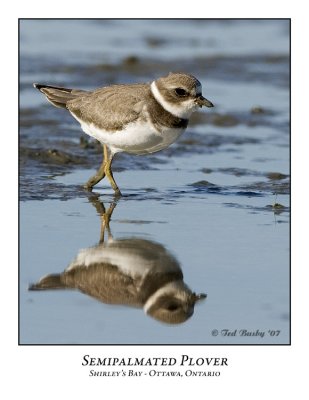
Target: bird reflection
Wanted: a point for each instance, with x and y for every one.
(131, 271)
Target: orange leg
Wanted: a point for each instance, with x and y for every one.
(105, 169)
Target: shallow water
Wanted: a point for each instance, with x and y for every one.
(217, 200)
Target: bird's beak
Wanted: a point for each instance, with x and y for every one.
(197, 297)
(201, 101)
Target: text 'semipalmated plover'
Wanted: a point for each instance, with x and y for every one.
(140, 118)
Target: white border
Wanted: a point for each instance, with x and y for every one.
(55, 372)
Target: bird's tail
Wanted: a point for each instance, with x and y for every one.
(58, 96)
(52, 281)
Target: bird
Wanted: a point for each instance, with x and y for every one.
(139, 118)
(131, 271)
(134, 272)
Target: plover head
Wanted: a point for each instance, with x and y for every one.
(180, 94)
(173, 303)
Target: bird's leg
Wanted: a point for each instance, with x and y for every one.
(105, 216)
(100, 173)
(109, 174)
(105, 219)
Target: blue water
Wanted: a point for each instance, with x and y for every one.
(112, 40)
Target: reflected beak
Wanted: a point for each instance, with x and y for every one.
(201, 101)
(198, 297)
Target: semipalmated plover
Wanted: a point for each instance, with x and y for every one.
(130, 271)
(140, 118)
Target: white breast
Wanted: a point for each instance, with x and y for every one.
(128, 262)
(137, 137)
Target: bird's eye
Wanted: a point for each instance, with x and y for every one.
(181, 92)
(172, 307)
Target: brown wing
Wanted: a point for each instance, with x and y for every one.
(112, 107)
(104, 282)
